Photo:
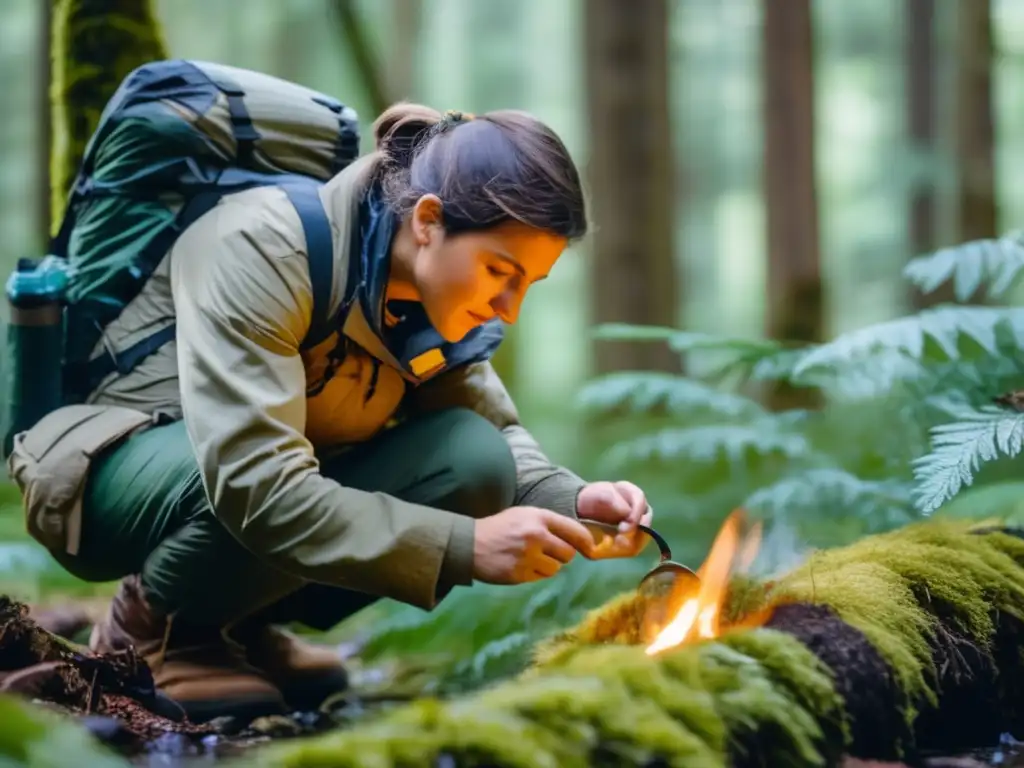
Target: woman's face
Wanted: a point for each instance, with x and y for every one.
(467, 279)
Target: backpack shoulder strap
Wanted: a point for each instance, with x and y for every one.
(320, 251)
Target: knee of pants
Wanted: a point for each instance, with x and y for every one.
(480, 461)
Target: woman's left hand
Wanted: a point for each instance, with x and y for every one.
(620, 504)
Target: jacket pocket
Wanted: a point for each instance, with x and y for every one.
(50, 464)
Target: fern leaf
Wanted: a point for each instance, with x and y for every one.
(960, 448)
(998, 262)
(735, 444)
(946, 327)
(641, 391)
(834, 492)
(629, 332)
(727, 355)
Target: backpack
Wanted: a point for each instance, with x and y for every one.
(174, 138)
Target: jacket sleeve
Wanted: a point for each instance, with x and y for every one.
(477, 386)
(243, 301)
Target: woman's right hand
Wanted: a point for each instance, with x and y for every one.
(524, 544)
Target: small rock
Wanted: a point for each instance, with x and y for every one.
(172, 745)
(312, 721)
(108, 730)
(275, 726)
(226, 725)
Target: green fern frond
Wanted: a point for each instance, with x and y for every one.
(960, 448)
(834, 492)
(947, 328)
(744, 358)
(996, 262)
(732, 443)
(647, 391)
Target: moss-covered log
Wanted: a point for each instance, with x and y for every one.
(900, 643)
(96, 43)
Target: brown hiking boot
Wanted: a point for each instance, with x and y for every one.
(197, 667)
(305, 673)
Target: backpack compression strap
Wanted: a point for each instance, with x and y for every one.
(320, 250)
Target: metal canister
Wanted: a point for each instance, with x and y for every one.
(35, 343)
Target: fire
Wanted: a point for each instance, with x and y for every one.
(699, 616)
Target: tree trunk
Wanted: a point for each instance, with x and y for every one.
(978, 208)
(920, 90)
(44, 121)
(406, 22)
(356, 38)
(631, 176)
(795, 301)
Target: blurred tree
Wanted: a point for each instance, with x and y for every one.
(406, 25)
(631, 169)
(795, 300)
(44, 119)
(978, 207)
(356, 37)
(96, 43)
(919, 60)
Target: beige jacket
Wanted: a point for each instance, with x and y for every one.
(237, 285)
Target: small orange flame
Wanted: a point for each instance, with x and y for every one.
(700, 616)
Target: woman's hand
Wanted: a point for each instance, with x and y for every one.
(524, 544)
(619, 504)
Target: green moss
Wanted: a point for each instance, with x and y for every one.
(895, 587)
(593, 697)
(95, 44)
(693, 707)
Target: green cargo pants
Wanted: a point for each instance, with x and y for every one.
(145, 512)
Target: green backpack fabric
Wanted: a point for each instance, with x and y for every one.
(175, 137)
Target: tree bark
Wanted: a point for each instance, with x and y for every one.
(920, 90)
(795, 301)
(631, 170)
(44, 120)
(406, 21)
(978, 207)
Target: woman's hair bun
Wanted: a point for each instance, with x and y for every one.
(399, 129)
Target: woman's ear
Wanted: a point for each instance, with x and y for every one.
(427, 219)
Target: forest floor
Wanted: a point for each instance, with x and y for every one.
(112, 697)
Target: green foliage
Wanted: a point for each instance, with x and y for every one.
(31, 737)
(995, 264)
(907, 424)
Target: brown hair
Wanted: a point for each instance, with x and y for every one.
(486, 169)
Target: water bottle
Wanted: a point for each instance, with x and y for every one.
(35, 343)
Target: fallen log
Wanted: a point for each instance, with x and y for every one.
(898, 645)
